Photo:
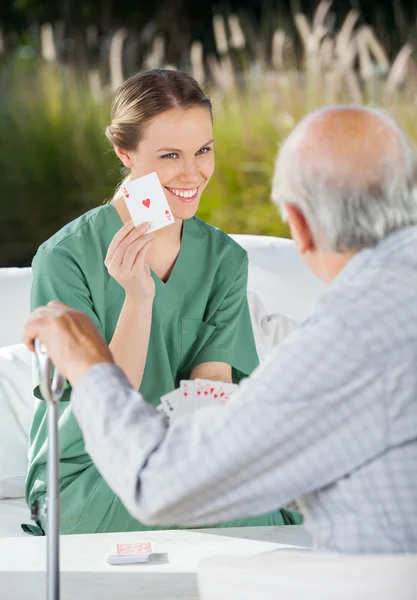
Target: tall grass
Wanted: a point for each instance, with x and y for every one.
(55, 162)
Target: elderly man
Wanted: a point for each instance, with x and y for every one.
(329, 419)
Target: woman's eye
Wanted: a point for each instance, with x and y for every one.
(170, 155)
(204, 150)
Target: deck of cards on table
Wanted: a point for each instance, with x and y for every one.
(195, 394)
(145, 198)
(127, 554)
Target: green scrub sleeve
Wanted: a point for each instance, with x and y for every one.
(57, 276)
(85, 498)
(232, 341)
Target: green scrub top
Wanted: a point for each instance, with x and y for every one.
(199, 315)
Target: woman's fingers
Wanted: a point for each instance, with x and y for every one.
(120, 235)
(128, 265)
(127, 231)
(135, 249)
(118, 253)
(140, 258)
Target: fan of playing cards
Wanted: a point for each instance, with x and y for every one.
(195, 394)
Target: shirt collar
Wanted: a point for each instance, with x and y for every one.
(371, 256)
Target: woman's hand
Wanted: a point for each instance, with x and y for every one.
(126, 262)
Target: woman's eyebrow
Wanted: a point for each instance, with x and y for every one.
(176, 149)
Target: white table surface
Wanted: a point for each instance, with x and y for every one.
(85, 575)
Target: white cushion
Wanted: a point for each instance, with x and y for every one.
(14, 303)
(279, 277)
(16, 410)
(268, 330)
(12, 514)
(307, 575)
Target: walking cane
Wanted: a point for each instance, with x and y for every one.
(51, 392)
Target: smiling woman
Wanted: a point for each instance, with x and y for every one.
(171, 305)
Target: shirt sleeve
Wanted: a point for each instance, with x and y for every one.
(232, 341)
(57, 276)
(287, 433)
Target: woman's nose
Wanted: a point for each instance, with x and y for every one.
(190, 171)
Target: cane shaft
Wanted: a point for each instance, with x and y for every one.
(53, 503)
(51, 392)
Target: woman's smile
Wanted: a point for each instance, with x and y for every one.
(184, 194)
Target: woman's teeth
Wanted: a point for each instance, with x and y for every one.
(184, 193)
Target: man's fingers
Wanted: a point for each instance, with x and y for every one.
(34, 328)
(40, 319)
(50, 310)
(58, 304)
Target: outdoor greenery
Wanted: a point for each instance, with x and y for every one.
(55, 162)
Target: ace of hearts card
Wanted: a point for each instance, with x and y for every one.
(145, 198)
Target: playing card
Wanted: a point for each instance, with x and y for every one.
(193, 395)
(130, 553)
(146, 201)
(187, 388)
(214, 392)
(168, 402)
(202, 388)
(223, 391)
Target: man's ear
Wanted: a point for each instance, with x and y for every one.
(300, 231)
(124, 155)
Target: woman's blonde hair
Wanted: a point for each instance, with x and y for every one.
(146, 95)
(143, 97)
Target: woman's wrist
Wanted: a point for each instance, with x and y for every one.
(132, 303)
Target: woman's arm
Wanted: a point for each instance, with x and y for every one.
(127, 264)
(130, 342)
(215, 371)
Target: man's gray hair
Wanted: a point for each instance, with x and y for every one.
(349, 215)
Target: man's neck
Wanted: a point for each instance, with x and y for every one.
(333, 263)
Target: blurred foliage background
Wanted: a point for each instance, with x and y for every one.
(265, 64)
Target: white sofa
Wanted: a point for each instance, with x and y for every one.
(279, 284)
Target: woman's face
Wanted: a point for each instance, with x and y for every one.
(178, 145)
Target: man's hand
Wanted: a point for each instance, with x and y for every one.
(72, 341)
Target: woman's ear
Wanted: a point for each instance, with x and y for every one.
(300, 230)
(124, 156)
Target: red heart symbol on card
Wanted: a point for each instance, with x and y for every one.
(126, 193)
(211, 390)
(168, 215)
(146, 202)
